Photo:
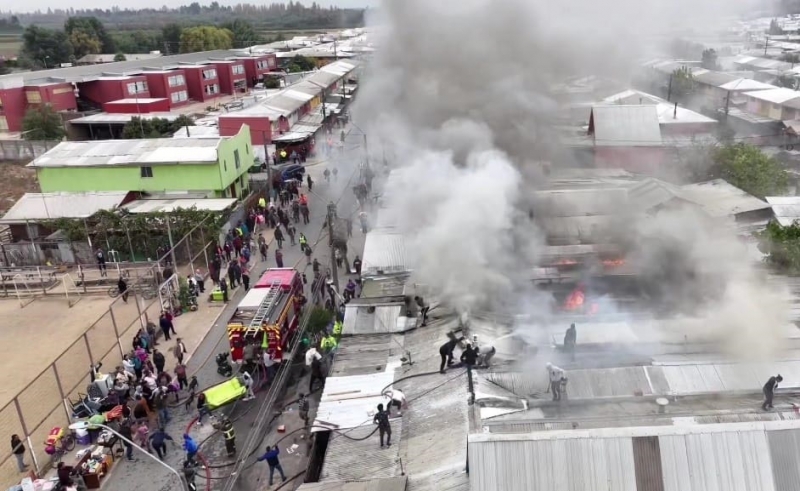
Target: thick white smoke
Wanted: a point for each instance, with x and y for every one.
(457, 99)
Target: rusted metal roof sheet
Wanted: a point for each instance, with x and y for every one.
(360, 456)
(647, 464)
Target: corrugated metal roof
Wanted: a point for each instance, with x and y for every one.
(50, 206)
(350, 401)
(719, 198)
(579, 202)
(716, 79)
(744, 84)
(388, 484)
(384, 252)
(384, 286)
(784, 446)
(109, 58)
(785, 208)
(198, 132)
(115, 118)
(612, 382)
(94, 72)
(731, 457)
(558, 465)
(728, 461)
(365, 355)
(169, 205)
(627, 126)
(577, 229)
(130, 152)
(521, 384)
(774, 96)
(669, 114)
(725, 377)
(434, 449)
(352, 460)
(632, 96)
(651, 192)
(367, 319)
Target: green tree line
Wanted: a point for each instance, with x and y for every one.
(274, 16)
(48, 48)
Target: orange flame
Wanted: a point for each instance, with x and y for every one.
(613, 263)
(566, 262)
(575, 300)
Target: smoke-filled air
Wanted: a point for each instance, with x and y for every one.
(457, 103)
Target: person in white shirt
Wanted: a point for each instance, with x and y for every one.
(311, 354)
(396, 399)
(556, 377)
(270, 365)
(151, 382)
(247, 381)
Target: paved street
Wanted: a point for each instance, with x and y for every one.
(141, 474)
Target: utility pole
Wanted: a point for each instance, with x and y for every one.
(331, 218)
(366, 154)
(669, 88)
(766, 44)
(269, 168)
(727, 103)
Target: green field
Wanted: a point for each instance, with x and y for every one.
(10, 44)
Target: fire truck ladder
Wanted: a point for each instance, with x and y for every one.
(265, 310)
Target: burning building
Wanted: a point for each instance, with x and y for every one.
(601, 241)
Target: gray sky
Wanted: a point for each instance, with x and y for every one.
(33, 5)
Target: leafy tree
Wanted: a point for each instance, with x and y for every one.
(154, 128)
(93, 29)
(301, 64)
(84, 43)
(4, 69)
(137, 41)
(682, 83)
(782, 246)
(710, 59)
(272, 83)
(746, 167)
(243, 33)
(46, 47)
(774, 28)
(42, 123)
(787, 81)
(319, 320)
(120, 57)
(171, 34)
(792, 58)
(205, 38)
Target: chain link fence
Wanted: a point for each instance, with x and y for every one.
(48, 400)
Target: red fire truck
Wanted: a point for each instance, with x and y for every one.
(268, 315)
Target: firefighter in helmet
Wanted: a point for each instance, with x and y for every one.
(229, 432)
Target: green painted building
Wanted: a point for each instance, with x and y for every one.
(214, 166)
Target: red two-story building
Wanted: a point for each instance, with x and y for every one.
(202, 81)
(168, 84)
(112, 88)
(232, 77)
(257, 66)
(16, 97)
